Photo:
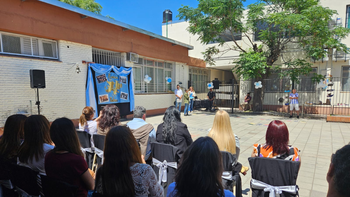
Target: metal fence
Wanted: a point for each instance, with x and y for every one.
(328, 97)
(331, 96)
(143, 87)
(224, 94)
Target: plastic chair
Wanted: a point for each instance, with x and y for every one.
(85, 142)
(165, 152)
(230, 176)
(238, 151)
(55, 188)
(26, 181)
(84, 139)
(99, 142)
(275, 173)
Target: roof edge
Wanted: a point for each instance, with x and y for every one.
(112, 21)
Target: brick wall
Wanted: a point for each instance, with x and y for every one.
(64, 94)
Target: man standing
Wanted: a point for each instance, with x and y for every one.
(338, 176)
(246, 101)
(143, 132)
(211, 97)
(178, 97)
(294, 104)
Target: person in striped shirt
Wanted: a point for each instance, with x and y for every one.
(294, 104)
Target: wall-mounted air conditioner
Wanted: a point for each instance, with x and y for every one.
(132, 57)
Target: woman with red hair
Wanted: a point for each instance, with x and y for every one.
(276, 146)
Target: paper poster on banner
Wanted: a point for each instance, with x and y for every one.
(112, 88)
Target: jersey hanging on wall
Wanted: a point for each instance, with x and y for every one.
(109, 85)
(112, 88)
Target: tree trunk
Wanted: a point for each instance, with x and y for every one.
(258, 96)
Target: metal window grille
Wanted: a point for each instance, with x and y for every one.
(347, 22)
(101, 56)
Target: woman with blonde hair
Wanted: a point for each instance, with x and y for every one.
(191, 94)
(223, 135)
(86, 121)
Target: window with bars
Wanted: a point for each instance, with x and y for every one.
(199, 79)
(16, 44)
(347, 21)
(346, 78)
(227, 36)
(306, 84)
(106, 57)
(157, 70)
(276, 84)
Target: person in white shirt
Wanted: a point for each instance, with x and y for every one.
(85, 121)
(178, 95)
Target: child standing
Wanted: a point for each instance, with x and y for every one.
(186, 101)
(192, 94)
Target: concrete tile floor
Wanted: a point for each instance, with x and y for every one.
(316, 139)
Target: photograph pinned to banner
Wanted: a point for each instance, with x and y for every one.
(103, 98)
(122, 79)
(101, 78)
(124, 95)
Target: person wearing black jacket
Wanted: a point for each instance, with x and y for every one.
(211, 97)
(173, 131)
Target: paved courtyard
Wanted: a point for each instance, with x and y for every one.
(317, 140)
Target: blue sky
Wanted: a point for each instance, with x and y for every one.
(145, 14)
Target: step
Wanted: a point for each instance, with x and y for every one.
(338, 118)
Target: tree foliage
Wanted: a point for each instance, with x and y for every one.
(271, 31)
(89, 5)
(279, 23)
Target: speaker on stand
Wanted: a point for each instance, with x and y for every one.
(216, 83)
(37, 80)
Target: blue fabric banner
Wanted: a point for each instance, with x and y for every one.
(112, 84)
(112, 88)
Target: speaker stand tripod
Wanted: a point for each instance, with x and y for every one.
(38, 101)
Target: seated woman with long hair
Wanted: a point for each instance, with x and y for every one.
(199, 173)
(66, 161)
(86, 122)
(12, 138)
(37, 143)
(222, 132)
(223, 135)
(173, 131)
(123, 172)
(109, 117)
(276, 146)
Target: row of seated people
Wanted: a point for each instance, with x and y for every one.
(55, 151)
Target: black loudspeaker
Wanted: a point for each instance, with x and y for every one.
(216, 84)
(37, 78)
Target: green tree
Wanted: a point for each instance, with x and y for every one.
(89, 5)
(278, 25)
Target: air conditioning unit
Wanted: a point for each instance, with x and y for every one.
(132, 57)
